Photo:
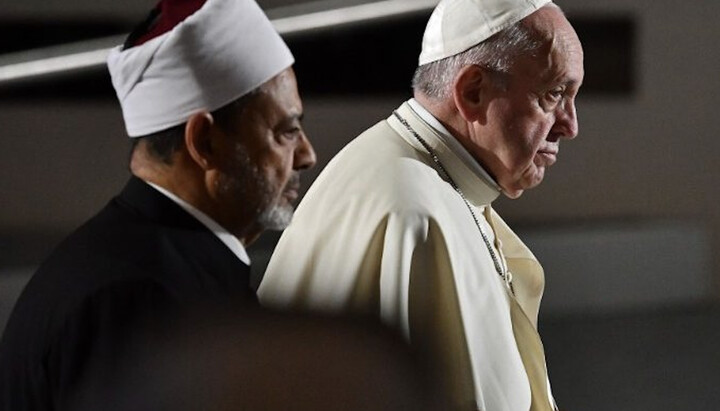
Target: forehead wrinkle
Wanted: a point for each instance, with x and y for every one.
(540, 64)
(560, 45)
(571, 71)
(540, 27)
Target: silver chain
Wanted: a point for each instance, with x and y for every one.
(507, 277)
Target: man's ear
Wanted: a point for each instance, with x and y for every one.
(199, 139)
(470, 92)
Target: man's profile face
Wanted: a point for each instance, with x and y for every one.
(267, 149)
(536, 109)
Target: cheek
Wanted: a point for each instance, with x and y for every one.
(529, 140)
(520, 145)
(277, 165)
(515, 130)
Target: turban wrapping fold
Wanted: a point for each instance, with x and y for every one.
(217, 54)
(457, 25)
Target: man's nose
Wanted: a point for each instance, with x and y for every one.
(566, 122)
(304, 154)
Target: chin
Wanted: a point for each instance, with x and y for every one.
(513, 194)
(276, 218)
(519, 189)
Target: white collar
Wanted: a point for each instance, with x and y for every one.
(452, 142)
(224, 235)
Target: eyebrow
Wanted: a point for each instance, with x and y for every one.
(565, 81)
(293, 114)
(574, 83)
(291, 119)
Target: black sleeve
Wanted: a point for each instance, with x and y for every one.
(104, 328)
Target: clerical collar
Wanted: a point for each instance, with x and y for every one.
(224, 235)
(452, 142)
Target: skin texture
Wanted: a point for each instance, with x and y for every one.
(514, 130)
(264, 150)
(244, 174)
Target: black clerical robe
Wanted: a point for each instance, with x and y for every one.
(141, 256)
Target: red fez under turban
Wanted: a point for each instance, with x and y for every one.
(166, 15)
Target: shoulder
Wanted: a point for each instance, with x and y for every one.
(48, 306)
(92, 265)
(94, 256)
(49, 345)
(379, 169)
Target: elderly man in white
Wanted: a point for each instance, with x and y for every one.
(400, 224)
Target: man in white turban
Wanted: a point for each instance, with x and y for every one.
(400, 224)
(210, 99)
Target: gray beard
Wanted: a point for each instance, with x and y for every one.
(276, 217)
(248, 181)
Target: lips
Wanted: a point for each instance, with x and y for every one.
(548, 156)
(291, 193)
(292, 188)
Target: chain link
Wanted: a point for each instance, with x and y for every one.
(506, 276)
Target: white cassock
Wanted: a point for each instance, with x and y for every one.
(380, 231)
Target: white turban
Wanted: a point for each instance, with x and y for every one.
(457, 25)
(221, 52)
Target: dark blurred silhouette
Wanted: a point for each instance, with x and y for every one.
(259, 360)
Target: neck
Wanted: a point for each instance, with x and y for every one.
(447, 115)
(249, 236)
(179, 177)
(186, 180)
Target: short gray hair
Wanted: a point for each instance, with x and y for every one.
(163, 144)
(497, 54)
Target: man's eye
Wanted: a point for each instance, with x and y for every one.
(293, 133)
(556, 95)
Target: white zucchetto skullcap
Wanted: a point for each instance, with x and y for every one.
(457, 25)
(219, 53)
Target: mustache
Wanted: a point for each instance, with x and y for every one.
(293, 182)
